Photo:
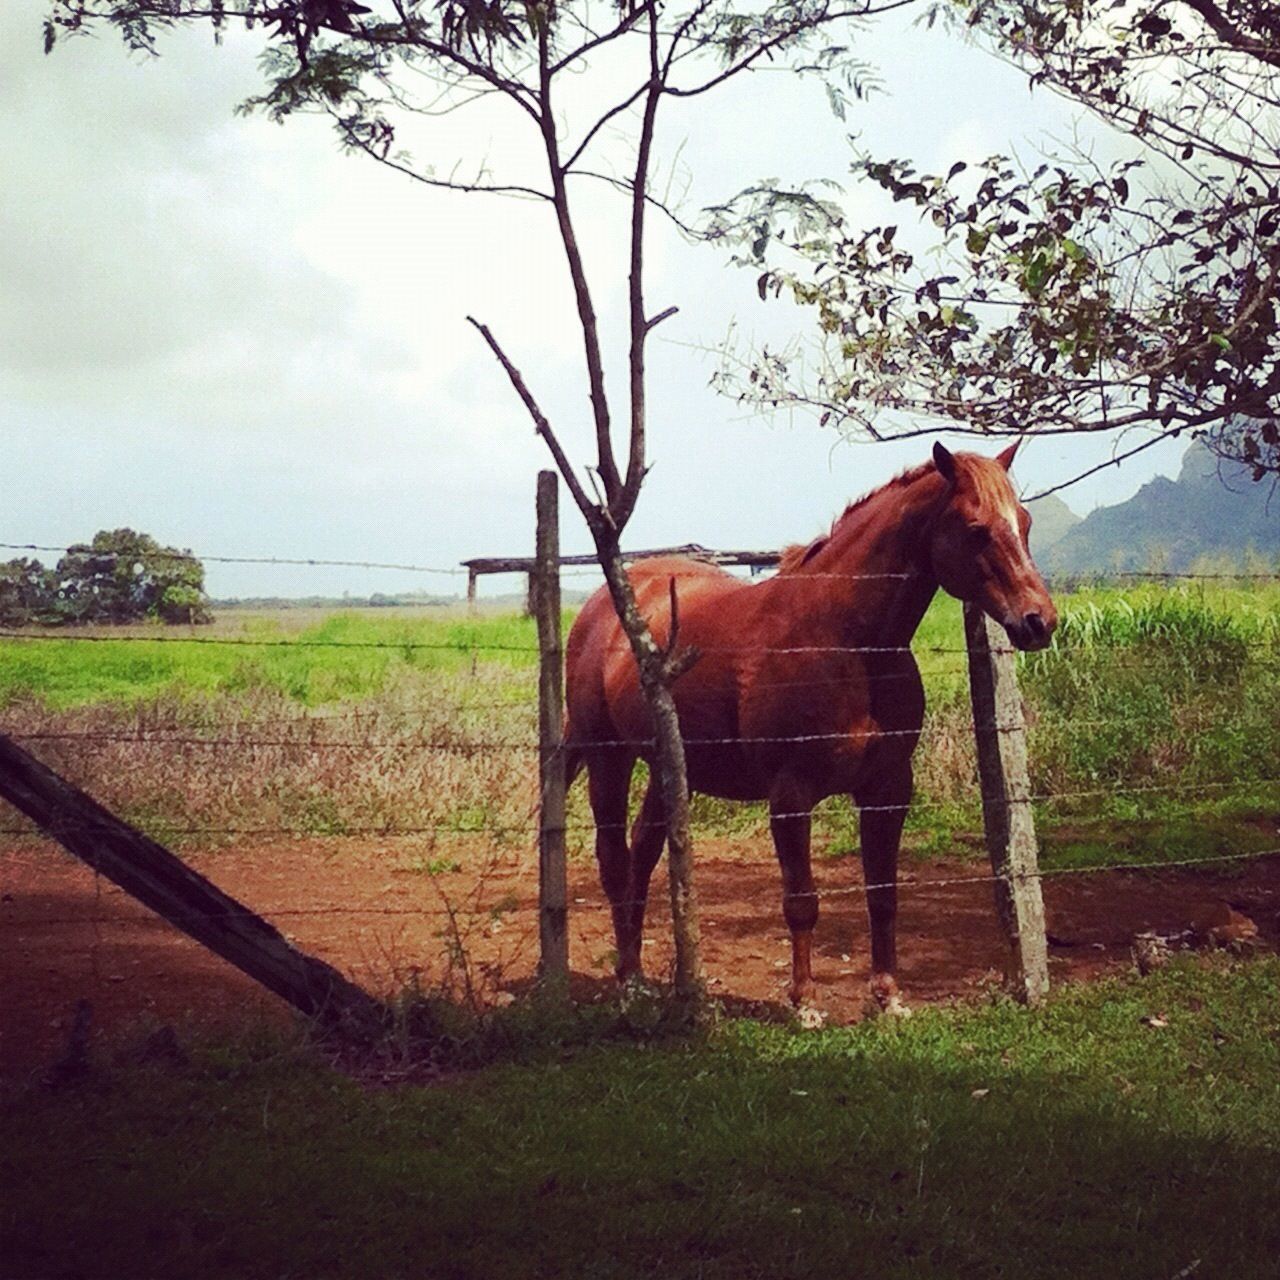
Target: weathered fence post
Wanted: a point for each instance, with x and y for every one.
(149, 872)
(1006, 802)
(553, 888)
(471, 591)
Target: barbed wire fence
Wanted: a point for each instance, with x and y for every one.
(523, 823)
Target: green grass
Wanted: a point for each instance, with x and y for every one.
(342, 658)
(1131, 1130)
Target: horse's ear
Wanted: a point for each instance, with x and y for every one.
(813, 548)
(1006, 457)
(945, 462)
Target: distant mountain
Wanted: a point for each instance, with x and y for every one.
(1051, 521)
(1213, 511)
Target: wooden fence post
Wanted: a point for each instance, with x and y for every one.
(149, 872)
(1007, 819)
(553, 888)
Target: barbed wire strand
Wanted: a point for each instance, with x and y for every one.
(90, 553)
(707, 826)
(493, 646)
(708, 559)
(907, 886)
(165, 737)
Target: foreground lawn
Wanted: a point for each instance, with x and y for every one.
(1127, 1130)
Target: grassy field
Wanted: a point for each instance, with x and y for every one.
(1153, 720)
(1128, 1129)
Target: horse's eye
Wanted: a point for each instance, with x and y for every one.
(979, 536)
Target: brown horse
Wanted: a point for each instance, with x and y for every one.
(806, 686)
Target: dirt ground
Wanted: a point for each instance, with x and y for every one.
(388, 916)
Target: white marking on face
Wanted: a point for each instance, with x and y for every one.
(1009, 510)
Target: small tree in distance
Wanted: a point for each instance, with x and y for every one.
(363, 66)
(28, 593)
(123, 576)
(119, 577)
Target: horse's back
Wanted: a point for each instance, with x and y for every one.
(602, 684)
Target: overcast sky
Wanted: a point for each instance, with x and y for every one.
(231, 336)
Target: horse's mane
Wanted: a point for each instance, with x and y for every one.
(800, 553)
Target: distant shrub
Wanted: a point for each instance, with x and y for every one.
(121, 576)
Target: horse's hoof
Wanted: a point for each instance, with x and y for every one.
(885, 997)
(803, 993)
(810, 1017)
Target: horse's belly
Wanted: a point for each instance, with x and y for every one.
(723, 772)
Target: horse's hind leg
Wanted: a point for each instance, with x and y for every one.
(608, 785)
(648, 835)
(884, 810)
(789, 822)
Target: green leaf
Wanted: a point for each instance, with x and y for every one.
(1220, 340)
(1037, 271)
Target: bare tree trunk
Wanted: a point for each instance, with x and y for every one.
(658, 671)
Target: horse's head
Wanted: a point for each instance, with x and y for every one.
(979, 546)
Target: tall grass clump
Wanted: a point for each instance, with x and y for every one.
(351, 725)
(1155, 685)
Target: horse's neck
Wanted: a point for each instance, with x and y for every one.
(871, 583)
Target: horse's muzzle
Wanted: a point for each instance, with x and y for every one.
(1031, 631)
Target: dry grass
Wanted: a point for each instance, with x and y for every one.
(433, 754)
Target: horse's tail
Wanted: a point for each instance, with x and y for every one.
(574, 758)
(574, 761)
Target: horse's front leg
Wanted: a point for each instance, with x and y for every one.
(789, 821)
(883, 807)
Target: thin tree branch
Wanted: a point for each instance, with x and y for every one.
(639, 321)
(606, 466)
(447, 184)
(589, 509)
(1114, 461)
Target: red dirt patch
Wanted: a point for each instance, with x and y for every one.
(373, 909)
